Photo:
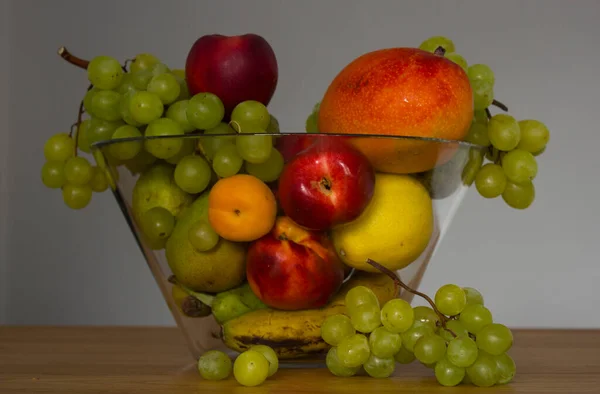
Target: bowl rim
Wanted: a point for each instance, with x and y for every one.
(195, 135)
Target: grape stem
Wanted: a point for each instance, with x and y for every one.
(500, 105)
(203, 298)
(74, 60)
(488, 113)
(398, 282)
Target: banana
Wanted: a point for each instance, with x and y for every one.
(294, 334)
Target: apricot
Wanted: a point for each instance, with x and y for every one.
(401, 92)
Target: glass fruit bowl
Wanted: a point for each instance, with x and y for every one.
(256, 238)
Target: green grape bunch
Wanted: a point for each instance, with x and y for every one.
(456, 336)
(512, 145)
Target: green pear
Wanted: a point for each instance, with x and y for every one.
(218, 269)
(157, 188)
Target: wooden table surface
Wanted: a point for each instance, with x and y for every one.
(86, 360)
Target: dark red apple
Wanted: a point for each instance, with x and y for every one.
(328, 184)
(292, 268)
(235, 68)
(290, 145)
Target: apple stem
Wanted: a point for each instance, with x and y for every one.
(443, 318)
(440, 51)
(500, 105)
(74, 60)
(203, 298)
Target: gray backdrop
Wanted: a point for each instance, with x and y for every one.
(535, 267)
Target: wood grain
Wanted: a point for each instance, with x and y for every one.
(130, 360)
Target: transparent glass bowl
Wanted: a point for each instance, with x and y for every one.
(443, 168)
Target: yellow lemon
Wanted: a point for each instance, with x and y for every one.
(393, 230)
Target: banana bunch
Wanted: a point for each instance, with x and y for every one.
(294, 334)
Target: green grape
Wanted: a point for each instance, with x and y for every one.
(504, 132)
(404, 356)
(539, 152)
(474, 317)
(478, 134)
(353, 351)
(450, 299)
(426, 315)
(273, 127)
(179, 73)
(163, 148)
(432, 43)
(519, 195)
(145, 107)
(87, 100)
(78, 171)
(397, 315)
(184, 91)
(494, 339)
(456, 327)
(480, 116)
(458, 59)
(251, 112)
(430, 349)
(105, 105)
(202, 236)
(141, 162)
(335, 365)
(481, 72)
(505, 367)
(227, 162)
(462, 351)
(271, 357)
(473, 296)
(53, 174)
(192, 174)
(519, 166)
(365, 318)
(141, 79)
(210, 145)
(312, 124)
(483, 372)
(384, 343)
(125, 150)
(97, 130)
(360, 295)
(412, 335)
(472, 166)
(124, 109)
(105, 72)
(160, 68)
(534, 135)
(143, 61)
(188, 147)
(205, 111)
(268, 171)
(335, 328)
(490, 180)
(377, 367)
(157, 223)
(483, 94)
(165, 86)
(448, 374)
(178, 112)
(214, 365)
(126, 85)
(76, 196)
(59, 147)
(99, 183)
(255, 149)
(250, 368)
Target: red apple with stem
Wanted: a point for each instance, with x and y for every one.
(292, 268)
(235, 68)
(327, 184)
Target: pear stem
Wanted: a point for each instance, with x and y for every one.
(443, 318)
(204, 298)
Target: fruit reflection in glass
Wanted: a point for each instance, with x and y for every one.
(264, 251)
